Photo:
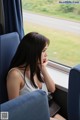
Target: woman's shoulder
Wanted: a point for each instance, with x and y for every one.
(14, 73)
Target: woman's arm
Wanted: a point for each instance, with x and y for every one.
(47, 79)
(13, 84)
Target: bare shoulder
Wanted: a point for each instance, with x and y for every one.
(14, 83)
(13, 75)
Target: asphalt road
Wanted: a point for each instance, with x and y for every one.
(52, 22)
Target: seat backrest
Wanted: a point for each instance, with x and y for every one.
(31, 106)
(74, 94)
(8, 46)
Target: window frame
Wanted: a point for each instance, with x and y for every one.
(61, 78)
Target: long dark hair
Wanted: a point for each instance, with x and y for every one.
(29, 52)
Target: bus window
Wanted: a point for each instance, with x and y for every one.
(59, 20)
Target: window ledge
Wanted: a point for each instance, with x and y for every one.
(59, 76)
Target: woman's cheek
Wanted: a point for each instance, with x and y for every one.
(42, 57)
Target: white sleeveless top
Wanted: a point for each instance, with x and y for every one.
(28, 87)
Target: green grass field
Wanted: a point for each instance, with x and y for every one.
(64, 47)
(53, 8)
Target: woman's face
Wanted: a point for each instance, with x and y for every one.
(44, 55)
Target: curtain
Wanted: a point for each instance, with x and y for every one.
(11, 17)
(1, 17)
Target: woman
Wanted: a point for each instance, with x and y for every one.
(28, 68)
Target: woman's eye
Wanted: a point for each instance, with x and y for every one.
(43, 50)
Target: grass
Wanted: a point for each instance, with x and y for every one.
(64, 46)
(53, 8)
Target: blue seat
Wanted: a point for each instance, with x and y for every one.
(74, 94)
(32, 106)
(8, 45)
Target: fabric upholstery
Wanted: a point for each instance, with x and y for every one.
(8, 46)
(74, 94)
(32, 106)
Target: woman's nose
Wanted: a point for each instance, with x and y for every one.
(45, 54)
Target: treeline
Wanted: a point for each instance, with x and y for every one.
(59, 8)
(66, 8)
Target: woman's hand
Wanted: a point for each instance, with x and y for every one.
(47, 78)
(43, 64)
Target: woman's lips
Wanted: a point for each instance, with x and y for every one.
(44, 60)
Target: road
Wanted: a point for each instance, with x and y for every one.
(52, 22)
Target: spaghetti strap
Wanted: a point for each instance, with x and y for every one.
(17, 71)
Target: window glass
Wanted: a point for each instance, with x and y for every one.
(59, 20)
